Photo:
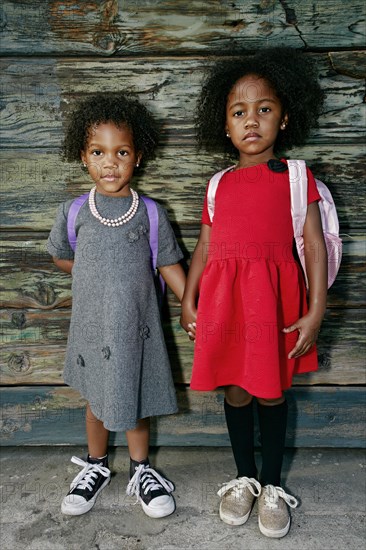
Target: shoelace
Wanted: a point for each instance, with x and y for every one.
(240, 484)
(88, 475)
(150, 480)
(272, 494)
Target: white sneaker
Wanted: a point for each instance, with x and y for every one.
(85, 488)
(237, 499)
(273, 515)
(152, 491)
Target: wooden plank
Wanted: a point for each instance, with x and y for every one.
(34, 183)
(36, 93)
(30, 280)
(320, 417)
(348, 63)
(127, 27)
(34, 342)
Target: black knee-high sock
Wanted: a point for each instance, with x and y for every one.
(240, 425)
(272, 425)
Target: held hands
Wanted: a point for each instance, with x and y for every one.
(188, 321)
(192, 331)
(308, 327)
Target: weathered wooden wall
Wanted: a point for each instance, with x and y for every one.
(53, 52)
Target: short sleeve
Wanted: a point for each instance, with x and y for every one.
(205, 218)
(169, 252)
(58, 243)
(313, 193)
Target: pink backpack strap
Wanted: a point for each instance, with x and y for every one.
(211, 191)
(299, 194)
(299, 205)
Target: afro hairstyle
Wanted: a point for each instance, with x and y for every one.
(122, 109)
(293, 78)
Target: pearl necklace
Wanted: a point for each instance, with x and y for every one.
(116, 222)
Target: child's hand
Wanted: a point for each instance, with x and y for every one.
(192, 331)
(188, 321)
(308, 328)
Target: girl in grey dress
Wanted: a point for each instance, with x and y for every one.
(116, 355)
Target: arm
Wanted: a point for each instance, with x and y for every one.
(175, 278)
(64, 265)
(317, 272)
(199, 259)
(58, 245)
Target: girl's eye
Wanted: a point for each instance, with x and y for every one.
(238, 113)
(123, 153)
(264, 110)
(96, 152)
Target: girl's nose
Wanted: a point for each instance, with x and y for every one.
(110, 161)
(251, 121)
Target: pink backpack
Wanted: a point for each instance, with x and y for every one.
(299, 204)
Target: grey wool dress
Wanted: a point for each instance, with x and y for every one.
(116, 355)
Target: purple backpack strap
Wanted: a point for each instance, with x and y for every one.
(152, 212)
(71, 218)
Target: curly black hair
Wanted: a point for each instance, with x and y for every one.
(292, 76)
(123, 109)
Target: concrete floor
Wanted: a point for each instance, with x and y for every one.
(329, 483)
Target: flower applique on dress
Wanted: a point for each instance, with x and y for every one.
(144, 332)
(80, 361)
(136, 233)
(106, 352)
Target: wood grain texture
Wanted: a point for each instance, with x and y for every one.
(34, 342)
(37, 92)
(34, 182)
(348, 63)
(134, 27)
(320, 417)
(55, 52)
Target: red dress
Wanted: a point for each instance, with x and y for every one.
(251, 288)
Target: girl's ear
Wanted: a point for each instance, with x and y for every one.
(83, 160)
(284, 122)
(138, 160)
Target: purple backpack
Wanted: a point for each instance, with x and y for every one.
(152, 212)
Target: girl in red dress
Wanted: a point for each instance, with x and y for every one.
(254, 327)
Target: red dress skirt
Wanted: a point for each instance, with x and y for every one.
(251, 288)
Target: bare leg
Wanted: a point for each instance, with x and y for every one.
(97, 435)
(237, 397)
(271, 402)
(138, 440)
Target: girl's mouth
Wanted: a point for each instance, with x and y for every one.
(251, 136)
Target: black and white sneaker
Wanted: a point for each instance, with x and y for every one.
(153, 491)
(85, 488)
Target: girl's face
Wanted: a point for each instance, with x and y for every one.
(110, 157)
(253, 119)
